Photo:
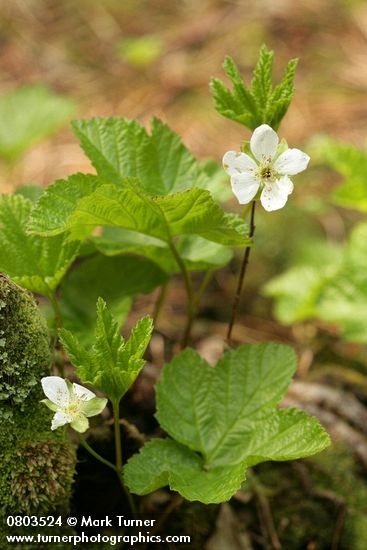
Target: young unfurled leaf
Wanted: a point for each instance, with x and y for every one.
(112, 364)
(116, 279)
(260, 103)
(223, 420)
(34, 262)
(190, 213)
(27, 115)
(118, 147)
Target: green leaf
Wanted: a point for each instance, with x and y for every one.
(111, 365)
(296, 292)
(117, 280)
(282, 95)
(195, 213)
(262, 83)
(28, 115)
(118, 147)
(223, 420)
(344, 299)
(30, 191)
(217, 181)
(334, 291)
(260, 103)
(127, 209)
(59, 201)
(239, 105)
(192, 212)
(36, 263)
(198, 254)
(165, 462)
(351, 163)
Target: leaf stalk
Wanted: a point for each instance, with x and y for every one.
(118, 451)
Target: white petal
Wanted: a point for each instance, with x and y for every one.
(82, 393)
(60, 419)
(275, 194)
(245, 186)
(285, 185)
(234, 163)
(291, 162)
(264, 143)
(56, 390)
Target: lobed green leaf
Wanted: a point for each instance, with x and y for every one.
(118, 147)
(58, 202)
(193, 212)
(223, 420)
(34, 262)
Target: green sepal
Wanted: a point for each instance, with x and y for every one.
(52, 406)
(94, 406)
(80, 423)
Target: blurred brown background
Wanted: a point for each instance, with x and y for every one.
(138, 58)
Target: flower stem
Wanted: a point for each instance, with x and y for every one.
(242, 275)
(118, 451)
(94, 453)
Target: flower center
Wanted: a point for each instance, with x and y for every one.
(266, 173)
(73, 408)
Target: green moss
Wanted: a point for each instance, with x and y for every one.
(24, 348)
(306, 500)
(37, 465)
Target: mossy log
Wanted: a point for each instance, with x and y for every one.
(37, 465)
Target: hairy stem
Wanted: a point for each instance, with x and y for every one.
(118, 451)
(242, 275)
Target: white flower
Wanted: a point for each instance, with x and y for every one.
(269, 172)
(71, 403)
